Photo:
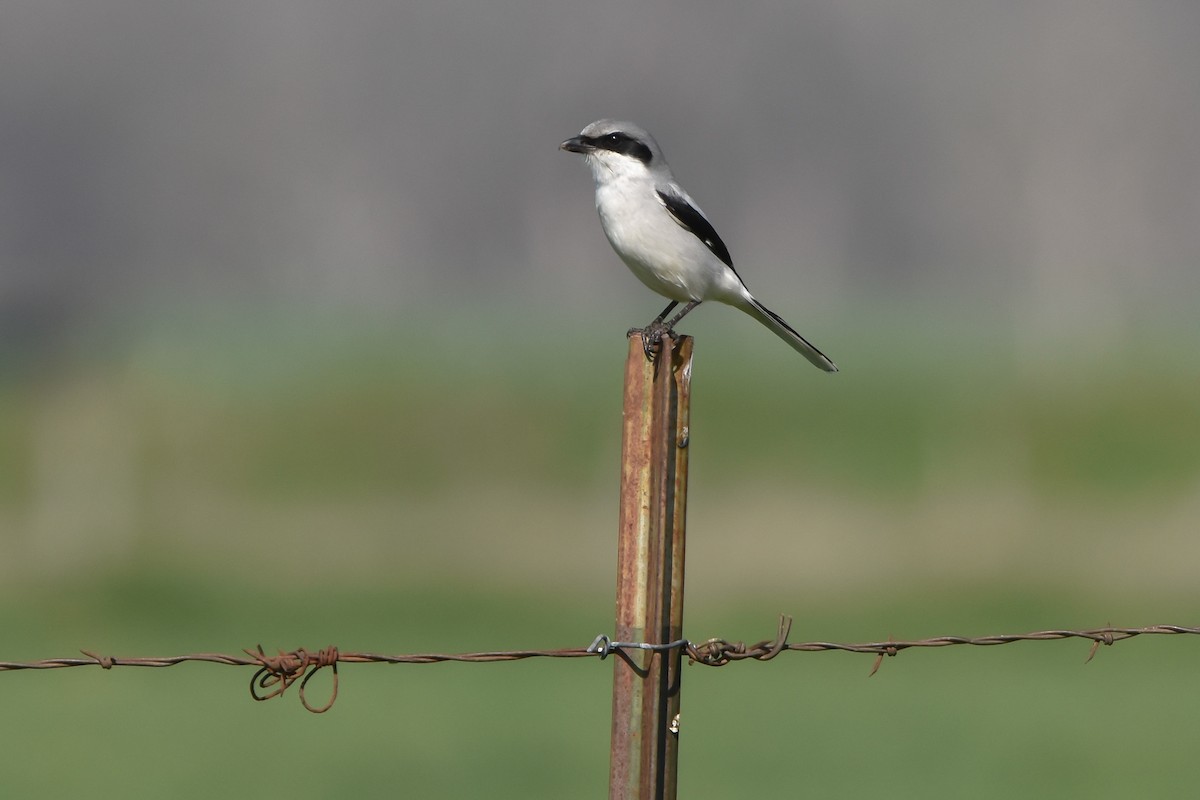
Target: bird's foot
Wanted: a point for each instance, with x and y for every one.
(652, 336)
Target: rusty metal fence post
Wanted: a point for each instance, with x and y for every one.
(650, 554)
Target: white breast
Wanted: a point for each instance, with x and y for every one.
(664, 256)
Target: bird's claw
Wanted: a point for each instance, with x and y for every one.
(652, 336)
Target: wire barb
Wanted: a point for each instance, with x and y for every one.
(1105, 638)
(890, 651)
(105, 662)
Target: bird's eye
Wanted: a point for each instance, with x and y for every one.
(614, 137)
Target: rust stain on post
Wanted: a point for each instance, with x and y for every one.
(650, 558)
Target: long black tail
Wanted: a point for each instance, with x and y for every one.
(786, 332)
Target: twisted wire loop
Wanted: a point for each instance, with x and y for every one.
(719, 652)
(715, 652)
(601, 646)
(277, 673)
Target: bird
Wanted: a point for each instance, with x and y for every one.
(663, 236)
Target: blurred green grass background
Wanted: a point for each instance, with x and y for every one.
(447, 482)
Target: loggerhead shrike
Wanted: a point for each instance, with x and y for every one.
(661, 234)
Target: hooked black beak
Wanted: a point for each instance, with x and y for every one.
(576, 144)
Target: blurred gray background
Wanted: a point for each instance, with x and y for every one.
(1038, 158)
(269, 267)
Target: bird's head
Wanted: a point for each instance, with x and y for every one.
(615, 149)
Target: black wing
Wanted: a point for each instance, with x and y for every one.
(691, 220)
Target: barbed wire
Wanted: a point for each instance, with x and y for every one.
(718, 652)
(276, 673)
